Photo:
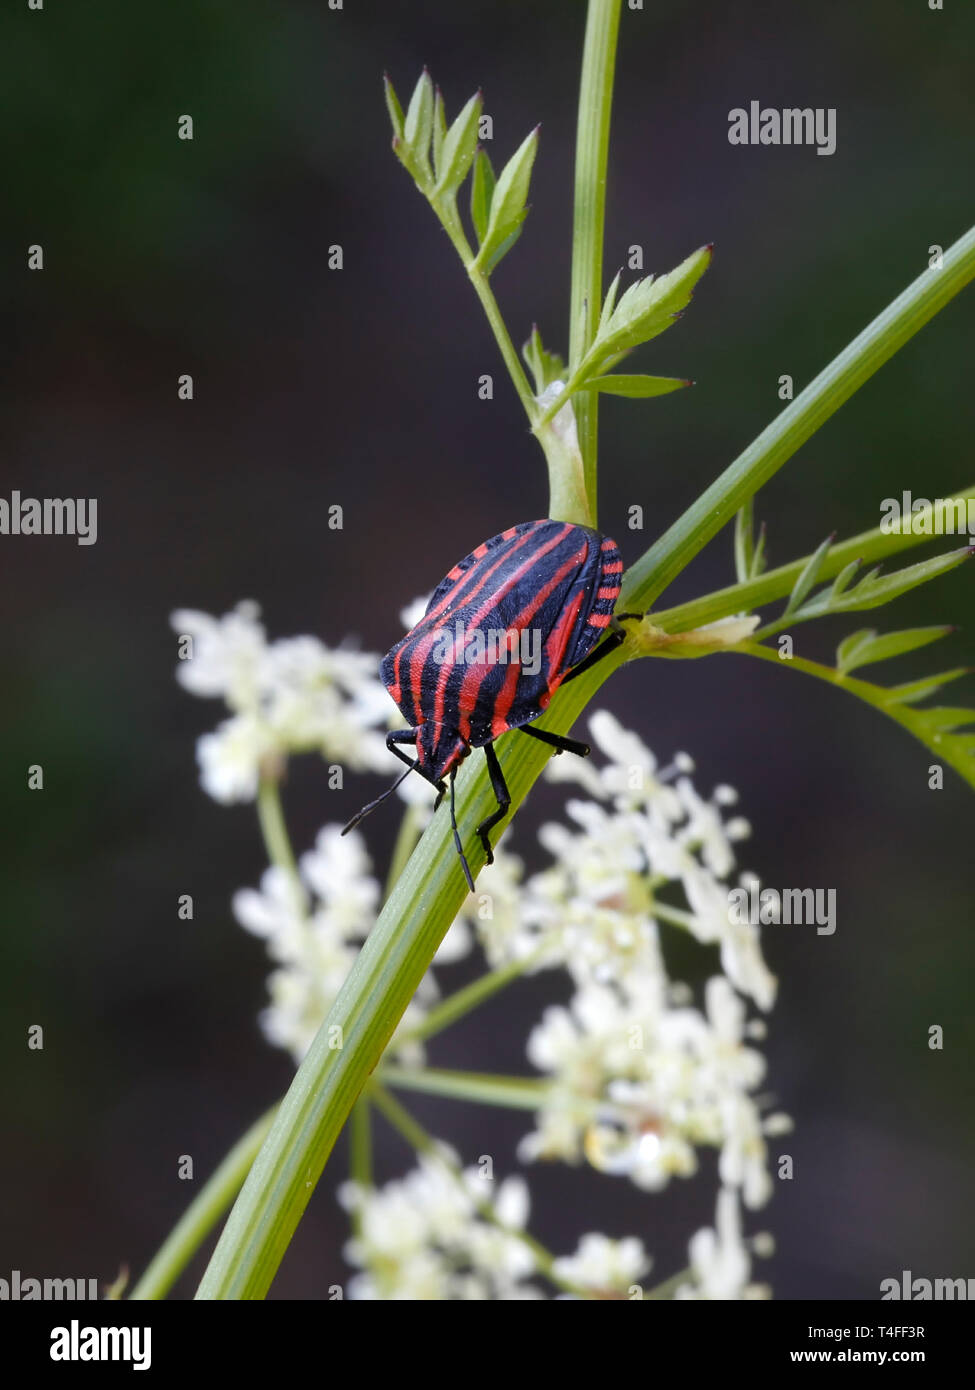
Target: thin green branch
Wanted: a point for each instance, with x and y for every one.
(878, 342)
(945, 732)
(589, 216)
(513, 1092)
(431, 888)
(202, 1214)
(666, 1290)
(868, 546)
(408, 834)
(276, 839)
(471, 997)
(417, 1137)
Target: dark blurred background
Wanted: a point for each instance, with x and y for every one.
(358, 387)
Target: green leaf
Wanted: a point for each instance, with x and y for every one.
(482, 190)
(911, 691)
(808, 577)
(760, 562)
(648, 308)
(459, 147)
(935, 728)
(750, 558)
(876, 589)
(745, 541)
(609, 303)
(499, 252)
(508, 204)
(393, 107)
(865, 647)
(842, 581)
(638, 386)
(647, 577)
(418, 128)
(544, 366)
(439, 130)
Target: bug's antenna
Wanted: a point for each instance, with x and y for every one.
(379, 800)
(453, 822)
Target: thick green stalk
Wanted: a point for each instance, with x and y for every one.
(382, 981)
(592, 159)
(431, 888)
(878, 342)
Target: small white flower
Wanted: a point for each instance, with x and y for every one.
(430, 1230)
(230, 758)
(720, 1258)
(226, 655)
(603, 1264)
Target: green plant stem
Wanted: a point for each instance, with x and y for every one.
(417, 1137)
(868, 546)
(568, 500)
(360, 1142)
(878, 342)
(463, 1001)
(202, 1214)
(669, 1287)
(589, 215)
(270, 813)
(431, 888)
(514, 1092)
(406, 838)
(503, 338)
(953, 743)
(482, 288)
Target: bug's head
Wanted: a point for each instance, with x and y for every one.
(439, 749)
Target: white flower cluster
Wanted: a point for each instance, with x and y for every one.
(313, 926)
(440, 1233)
(720, 1259)
(639, 1077)
(291, 696)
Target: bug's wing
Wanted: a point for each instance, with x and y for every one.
(549, 606)
(566, 626)
(409, 670)
(593, 620)
(456, 582)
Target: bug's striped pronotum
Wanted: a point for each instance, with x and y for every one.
(514, 620)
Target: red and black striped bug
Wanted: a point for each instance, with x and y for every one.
(520, 616)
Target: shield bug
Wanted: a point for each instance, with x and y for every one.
(514, 620)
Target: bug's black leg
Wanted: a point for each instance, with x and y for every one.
(453, 821)
(441, 793)
(556, 741)
(397, 736)
(500, 788)
(614, 638)
(401, 736)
